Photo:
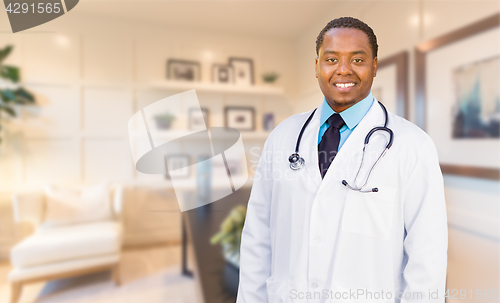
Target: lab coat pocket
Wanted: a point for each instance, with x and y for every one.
(369, 214)
(276, 291)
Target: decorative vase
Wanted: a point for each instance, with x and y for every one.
(231, 257)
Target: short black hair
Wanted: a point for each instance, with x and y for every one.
(349, 22)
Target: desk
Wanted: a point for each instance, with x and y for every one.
(200, 225)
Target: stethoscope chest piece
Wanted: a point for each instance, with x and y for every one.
(296, 161)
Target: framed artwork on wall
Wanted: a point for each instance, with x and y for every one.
(458, 98)
(241, 118)
(390, 86)
(183, 70)
(222, 74)
(178, 166)
(243, 70)
(199, 120)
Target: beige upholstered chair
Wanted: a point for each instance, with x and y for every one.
(64, 250)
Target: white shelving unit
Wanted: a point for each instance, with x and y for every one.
(218, 88)
(169, 135)
(257, 91)
(266, 90)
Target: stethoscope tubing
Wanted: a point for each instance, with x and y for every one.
(302, 131)
(297, 162)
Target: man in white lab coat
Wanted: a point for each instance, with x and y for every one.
(310, 238)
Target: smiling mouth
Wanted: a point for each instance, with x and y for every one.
(344, 85)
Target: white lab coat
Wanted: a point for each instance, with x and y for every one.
(304, 236)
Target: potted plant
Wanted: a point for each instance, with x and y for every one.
(229, 235)
(12, 94)
(164, 121)
(270, 77)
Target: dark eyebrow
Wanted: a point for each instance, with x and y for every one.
(362, 52)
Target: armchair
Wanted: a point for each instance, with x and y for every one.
(64, 250)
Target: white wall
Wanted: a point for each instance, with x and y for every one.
(473, 204)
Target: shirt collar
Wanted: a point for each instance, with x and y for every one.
(352, 115)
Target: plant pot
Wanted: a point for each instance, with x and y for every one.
(231, 278)
(163, 124)
(232, 258)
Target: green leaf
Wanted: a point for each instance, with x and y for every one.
(9, 110)
(8, 95)
(229, 239)
(10, 72)
(231, 229)
(23, 96)
(216, 238)
(18, 96)
(227, 226)
(5, 52)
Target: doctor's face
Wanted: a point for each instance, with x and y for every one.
(345, 67)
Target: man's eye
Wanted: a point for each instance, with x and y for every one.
(357, 60)
(331, 60)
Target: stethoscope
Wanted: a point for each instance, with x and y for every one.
(297, 162)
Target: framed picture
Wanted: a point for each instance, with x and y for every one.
(178, 166)
(241, 118)
(269, 122)
(198, 120)
(222, 74)
(243, 70)
(458, 100)
(183, 70)
(390, 86)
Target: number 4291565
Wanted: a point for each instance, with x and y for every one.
(479, 294)
(40, 8)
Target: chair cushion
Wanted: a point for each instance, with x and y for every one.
(68, 242)
(61, 268)
(67, 206)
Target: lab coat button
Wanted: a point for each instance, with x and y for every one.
(314, 285)
(316, 240)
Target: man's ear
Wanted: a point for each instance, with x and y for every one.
(375, 65)
(316, 66)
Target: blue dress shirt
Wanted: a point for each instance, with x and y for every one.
(352, 116)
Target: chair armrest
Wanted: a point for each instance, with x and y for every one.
(28, 207)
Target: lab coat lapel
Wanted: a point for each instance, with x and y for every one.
(309, 147)
(354, 144)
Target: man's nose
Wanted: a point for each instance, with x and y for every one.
(344, 68)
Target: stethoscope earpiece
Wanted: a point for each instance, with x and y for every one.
(373, 190)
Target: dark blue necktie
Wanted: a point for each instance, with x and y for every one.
(329, 144)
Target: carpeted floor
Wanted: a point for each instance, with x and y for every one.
(148, 275)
